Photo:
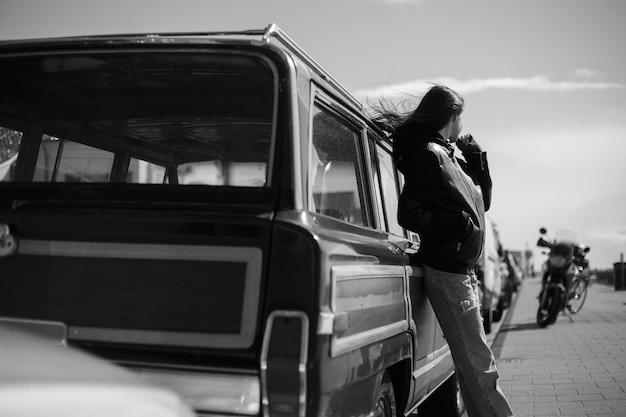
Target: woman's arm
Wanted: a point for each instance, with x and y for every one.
(479, 167)
(418, 209)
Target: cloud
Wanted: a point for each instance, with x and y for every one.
(537, 83)
(587, 73)
(615, 234)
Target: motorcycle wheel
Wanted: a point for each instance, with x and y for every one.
(577, 296)
(549, 307)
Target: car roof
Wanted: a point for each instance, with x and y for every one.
(272, 34)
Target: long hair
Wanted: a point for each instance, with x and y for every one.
(434, 111)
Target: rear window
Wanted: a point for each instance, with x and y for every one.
(138, 117)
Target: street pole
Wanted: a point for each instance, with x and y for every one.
(621, 264)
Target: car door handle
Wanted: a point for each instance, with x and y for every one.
(408, 247)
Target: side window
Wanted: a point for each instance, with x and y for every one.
(412, 235)
(389, 190)
(144, 172)
(10, 141)
(61, 160)
(218, 172)
(338, 189)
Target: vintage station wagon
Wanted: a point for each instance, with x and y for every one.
(217, 213)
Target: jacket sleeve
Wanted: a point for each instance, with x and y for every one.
(417, 207)
(479, 168)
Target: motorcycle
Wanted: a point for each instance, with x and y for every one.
(565, 278)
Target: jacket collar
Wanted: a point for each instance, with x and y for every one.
(438, 139)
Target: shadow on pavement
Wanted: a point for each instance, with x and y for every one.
(524, 326)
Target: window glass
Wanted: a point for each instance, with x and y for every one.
(207, 118)
(412, 235)
(82, 163)
(46, 159)
(10, 141)
(62, 160)
(222, 173)
(337, 180)
(389, 190)
(144, 172)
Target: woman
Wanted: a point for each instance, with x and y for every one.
(444, 200)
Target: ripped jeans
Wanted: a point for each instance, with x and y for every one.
(454, 298)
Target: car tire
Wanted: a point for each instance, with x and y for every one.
(385, 405)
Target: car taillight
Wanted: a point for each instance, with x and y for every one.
(283, 364)
(214, 393)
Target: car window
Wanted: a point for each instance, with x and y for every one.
(144, 172)
(61, 160)
(412, 235)
(10, 141)
(389, 190)
(338, 189)
(168, 117)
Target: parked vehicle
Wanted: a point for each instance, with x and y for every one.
(489, 273)
(40, 376)
(217, 213)
(511, 279)
(565, 278)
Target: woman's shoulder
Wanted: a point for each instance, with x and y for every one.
(438, 149)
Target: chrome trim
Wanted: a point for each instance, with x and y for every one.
(296, 139)
(434, 359)
(55, 331)
(325, 323)
(304, 353)
(341, 273)
(270, 163)
(350, 272)
(252, 256)
(365, 271)
(414, 271)
(273, 31)
(348, 343)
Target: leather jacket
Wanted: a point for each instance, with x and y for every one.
(444, 200)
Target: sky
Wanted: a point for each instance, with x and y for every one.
(544, 83)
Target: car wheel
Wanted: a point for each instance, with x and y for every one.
(386, 402)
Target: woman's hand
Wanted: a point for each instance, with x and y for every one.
(467, 144)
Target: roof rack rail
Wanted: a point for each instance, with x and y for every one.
(273, 31)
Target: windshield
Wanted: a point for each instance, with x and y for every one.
(138, 117)
(565, 235)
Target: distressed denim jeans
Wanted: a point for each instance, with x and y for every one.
(454, 298)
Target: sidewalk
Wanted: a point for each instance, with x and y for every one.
(572, 368)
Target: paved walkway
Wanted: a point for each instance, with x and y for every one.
(572, 368)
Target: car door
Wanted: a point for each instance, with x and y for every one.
(422, 322)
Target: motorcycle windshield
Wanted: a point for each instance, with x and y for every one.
(565, 235)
